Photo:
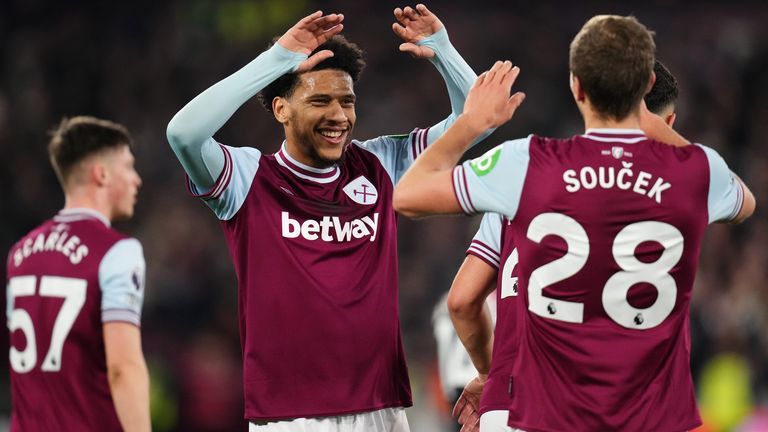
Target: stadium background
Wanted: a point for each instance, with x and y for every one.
(139, 62)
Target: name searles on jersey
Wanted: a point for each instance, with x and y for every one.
(329, 228)
(609, 177)
(55, 241)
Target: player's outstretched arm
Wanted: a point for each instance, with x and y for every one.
(191, 129)
(128, 376)
(426, 187)
(425, 36)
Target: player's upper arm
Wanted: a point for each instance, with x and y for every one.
(122, 345)
(728, 200)
(121, 279)
(474, 281)
(486, 244)
(494, 181)
(228, 193)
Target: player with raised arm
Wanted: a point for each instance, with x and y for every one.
(74, 294)
(478, 276)
(608, 227)
(311, 228)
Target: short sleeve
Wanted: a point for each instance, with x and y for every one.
(396, 152)
(227, 195)
(121, 279)
(494, 181)
(486, 244)
(726, 195)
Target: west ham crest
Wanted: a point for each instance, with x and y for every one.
(361, 191)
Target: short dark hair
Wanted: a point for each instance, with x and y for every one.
(347, 56)
(613, 58)
(664, 91)
(79, 137)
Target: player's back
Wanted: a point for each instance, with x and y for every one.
(608, 231)
(57, 358)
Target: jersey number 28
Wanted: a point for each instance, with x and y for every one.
(616, 288)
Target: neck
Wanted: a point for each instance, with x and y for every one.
(592, 121)
(81, 198)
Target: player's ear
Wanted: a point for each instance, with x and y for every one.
(281, 109)
(97, 172)
(650, 82)
(670, 119)
(576, 90)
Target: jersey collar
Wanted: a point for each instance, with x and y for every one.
(82, 213)
(626, 136)
(317, 175)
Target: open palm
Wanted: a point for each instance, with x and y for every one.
(309, 33)
(412, 26)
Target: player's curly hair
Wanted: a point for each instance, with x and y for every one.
(347, 56)
(664, 91)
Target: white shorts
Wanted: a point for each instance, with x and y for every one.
(383, 420)
(496, 421)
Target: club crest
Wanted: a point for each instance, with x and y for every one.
(361, 191)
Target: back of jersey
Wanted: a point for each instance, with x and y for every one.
(608, 227)
(57, 359)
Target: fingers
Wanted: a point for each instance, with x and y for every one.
(459, 406)
(408, 14)
(314, 60)
(400, 31)
(311, 17)
(514, 102)
(329, 33)
(324, 23)
(421, 9)
(416, 50)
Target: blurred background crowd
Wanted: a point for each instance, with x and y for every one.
(139, 62)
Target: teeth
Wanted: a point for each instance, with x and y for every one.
(331, 134)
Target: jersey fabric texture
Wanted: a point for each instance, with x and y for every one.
(314, 249)
(608, 228)
(315, 255)
(67, 278)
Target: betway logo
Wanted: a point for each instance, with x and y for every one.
(330, 228)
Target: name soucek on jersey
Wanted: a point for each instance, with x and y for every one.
(315, 252)
(66, 279)
(607, 227)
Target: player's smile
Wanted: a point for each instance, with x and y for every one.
(334, 136)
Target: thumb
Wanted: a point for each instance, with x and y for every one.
(417, 50)
(314, 60)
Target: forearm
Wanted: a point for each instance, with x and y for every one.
(129, 384)
(458, 77)
(433, 169)
(194, 125)
(475, 329)
(657, 129)
(456, 73)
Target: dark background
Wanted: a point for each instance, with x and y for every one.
(139, 62)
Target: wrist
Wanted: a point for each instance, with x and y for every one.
(472, 124)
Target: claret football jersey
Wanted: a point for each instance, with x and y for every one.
(607, 228)
(66, 279)
(315, 254)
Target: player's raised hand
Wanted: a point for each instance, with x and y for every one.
(488, 103)
(308, 34)
(467, 408)
(414, 25)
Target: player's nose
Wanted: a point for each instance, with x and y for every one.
(336, 112)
